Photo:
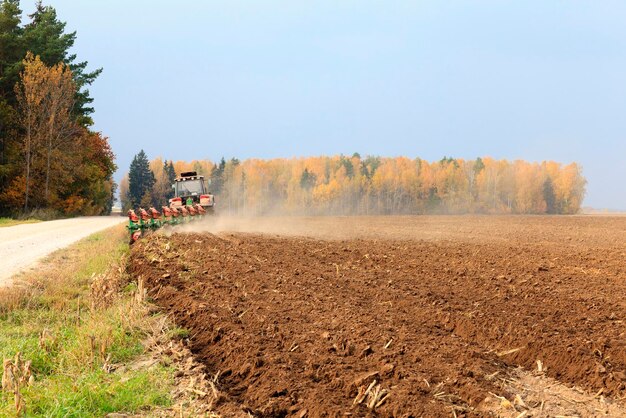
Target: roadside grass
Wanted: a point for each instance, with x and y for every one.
(81, 329)
(11, 221)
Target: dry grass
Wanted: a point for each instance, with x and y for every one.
(11, 222)
(532, 394)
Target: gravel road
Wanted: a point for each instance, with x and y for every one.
(21, 246)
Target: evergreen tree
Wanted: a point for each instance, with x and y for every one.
(369, 166)
(347, 163)
(364, 170)
(549, 196)
(448, 160)
(217, 177)
(307, 179)
(171, 172)
(171, 177)
(12, 49)
(11, 54)
(479, 165)
(140, 180)
(45, 36)
(327, 172)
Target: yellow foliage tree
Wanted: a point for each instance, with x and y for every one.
(400, 185)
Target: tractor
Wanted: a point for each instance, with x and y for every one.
(191, 202)
(190, 189)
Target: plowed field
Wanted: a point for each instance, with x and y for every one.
(397, 316)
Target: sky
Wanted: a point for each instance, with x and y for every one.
(533, 80)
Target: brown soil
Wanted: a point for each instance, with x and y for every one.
(299, 325)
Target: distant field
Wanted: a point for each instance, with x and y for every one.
(569, 230)
(603, 212)
(330, 315)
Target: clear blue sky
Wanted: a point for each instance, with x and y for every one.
(530, 80)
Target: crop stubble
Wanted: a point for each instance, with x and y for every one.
(430, 312)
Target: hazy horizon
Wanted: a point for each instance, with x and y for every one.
(534, 80)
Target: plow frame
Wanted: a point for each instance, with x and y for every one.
(141, 222)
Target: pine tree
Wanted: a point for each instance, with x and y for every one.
(549, 196)
(347, 163)
(307, 179)
(217, 177)
(12, 49)
(45, 36)
(171, 172)
(171, 177)
(140, 179)
(478, 165)
(11, 55)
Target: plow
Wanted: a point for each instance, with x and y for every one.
(191, 202)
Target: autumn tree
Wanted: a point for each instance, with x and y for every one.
(124, 195)
(87, 185)
(53, 144)
(31, 93)
(165, 175)
(60, 125)
(45, 114)
(377, 185)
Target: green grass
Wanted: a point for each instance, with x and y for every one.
(68, 362)
(95, 394)
(11, 222)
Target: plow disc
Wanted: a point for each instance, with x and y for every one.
(143, 221)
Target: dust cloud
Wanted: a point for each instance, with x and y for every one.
(314, 227)
(469, 228)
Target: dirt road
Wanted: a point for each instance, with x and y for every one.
(21, 246)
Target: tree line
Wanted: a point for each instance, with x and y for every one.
(147, 183)
(342, 185)
(51, 161)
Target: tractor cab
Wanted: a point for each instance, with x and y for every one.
(190, 188)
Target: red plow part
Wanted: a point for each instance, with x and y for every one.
(144, 215)
(141, 220)
(200, 209)
(154, 213)
(132, 216)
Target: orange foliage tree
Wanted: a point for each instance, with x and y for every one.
(66, 167)
(375, 185)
